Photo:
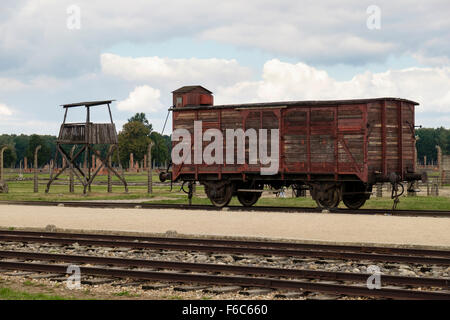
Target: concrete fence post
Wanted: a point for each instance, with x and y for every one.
(439, 163)
(379, 190)
(2, 150)
(131, 165)
(434, 188)
(3, 184)
(36, 169)
(149, 170)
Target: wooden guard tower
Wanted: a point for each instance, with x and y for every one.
(87, 135)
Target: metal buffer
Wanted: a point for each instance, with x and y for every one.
(88, 135)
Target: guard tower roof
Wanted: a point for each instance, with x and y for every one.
(87, 104)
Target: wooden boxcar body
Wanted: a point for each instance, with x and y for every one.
(336, 149)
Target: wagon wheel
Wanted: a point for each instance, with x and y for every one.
(247, 199)
(329, 200)
(355, 201)
(220, 196)
(357, 195)
(298, 191)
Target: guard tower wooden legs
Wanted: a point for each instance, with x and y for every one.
(70, 163)
(106, 164)
(85, 179)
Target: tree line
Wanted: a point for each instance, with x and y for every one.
(134, 138)
(137, 133)
(428, 139)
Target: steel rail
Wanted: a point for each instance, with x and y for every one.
(126, 205)
(234, 269)
(233, 280)
(236, 243)
(235, 250)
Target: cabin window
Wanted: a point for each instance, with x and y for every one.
(179, 101)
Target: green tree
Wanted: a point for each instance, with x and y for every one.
(21, 144)
(429, 138)
(134, 138)
(131, 139)
(140, 117)
(443, 139)
(9, 156)
(44, 154)
(160, 152)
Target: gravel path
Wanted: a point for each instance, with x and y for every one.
(298, 226)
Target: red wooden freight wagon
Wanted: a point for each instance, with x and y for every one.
(338, 149)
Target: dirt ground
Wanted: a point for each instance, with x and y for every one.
(341, 228)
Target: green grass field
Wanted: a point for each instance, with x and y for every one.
(23, 190)
(10, 294)
(406, 203)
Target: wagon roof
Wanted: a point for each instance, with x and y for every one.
(186, 89)
(299, 103)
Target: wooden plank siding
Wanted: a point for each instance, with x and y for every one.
(96, 133)
(342, 139)
(391, 144)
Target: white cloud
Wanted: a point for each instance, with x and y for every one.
(432, 61)
(5, 110)
(297, 41)
(156, 69)
(38, 82)
(10, 84)
(286, 81)
(24, 126)
(142, 99)
(34, 37)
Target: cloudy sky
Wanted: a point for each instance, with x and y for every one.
(137, 51)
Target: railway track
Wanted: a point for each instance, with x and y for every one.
(253, 278)
(127, 205)
(342, 283)
(290, 249)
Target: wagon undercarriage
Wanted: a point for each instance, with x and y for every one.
(327, 193)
